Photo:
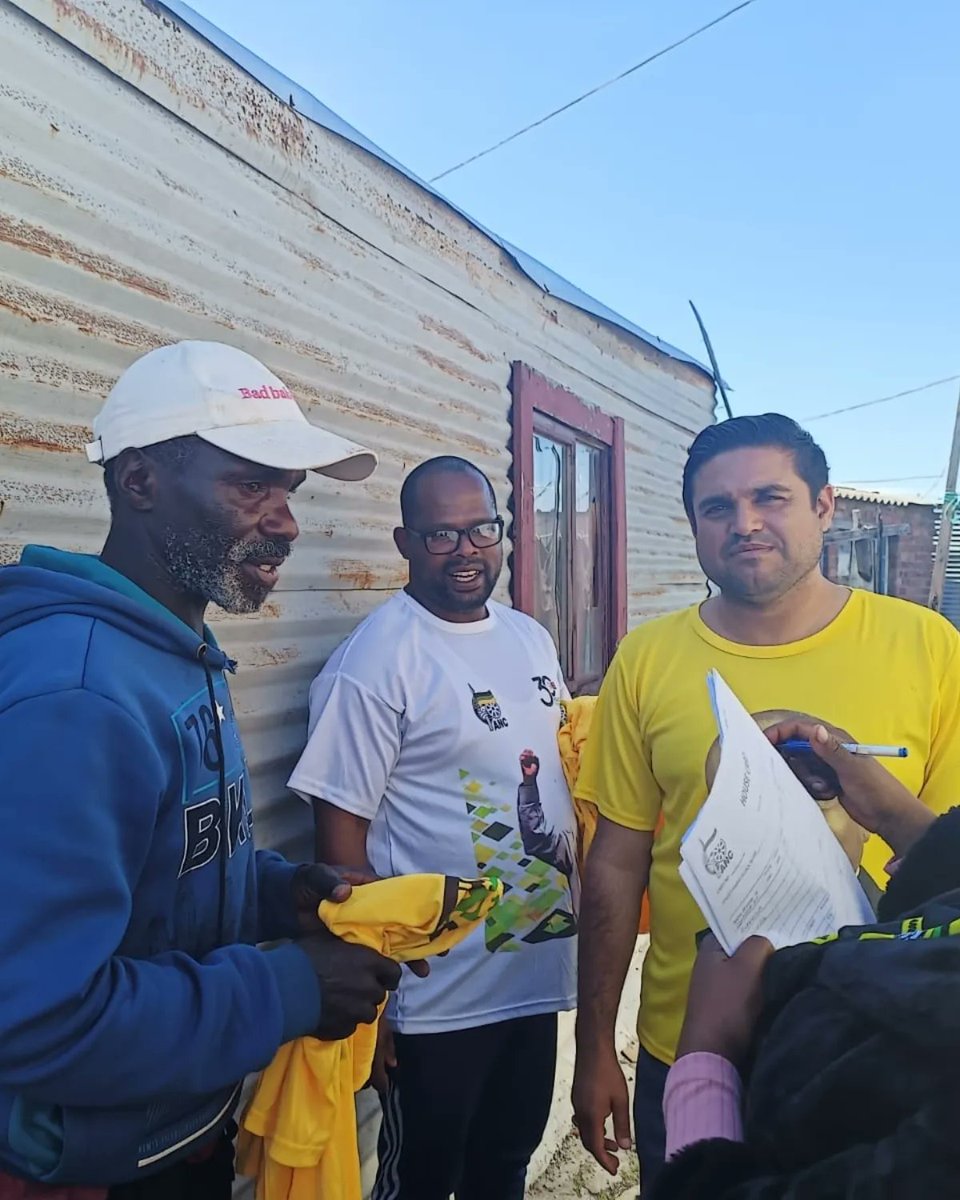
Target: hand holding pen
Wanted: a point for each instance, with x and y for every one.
(868, 792)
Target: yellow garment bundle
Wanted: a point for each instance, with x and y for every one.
(572, 738)
(299, 1133)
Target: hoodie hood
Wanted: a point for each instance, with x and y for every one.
(48, 582)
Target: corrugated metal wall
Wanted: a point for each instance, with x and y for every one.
(951, 586)
(151, 191)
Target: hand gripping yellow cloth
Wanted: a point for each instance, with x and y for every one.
(571, 738)
(299, 1133)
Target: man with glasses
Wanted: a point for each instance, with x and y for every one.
(417, 724)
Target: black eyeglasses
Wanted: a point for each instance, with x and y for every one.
(447, 541)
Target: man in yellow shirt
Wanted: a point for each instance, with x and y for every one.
(756, 493)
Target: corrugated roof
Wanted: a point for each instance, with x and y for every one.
(307, 105)
(894, 499)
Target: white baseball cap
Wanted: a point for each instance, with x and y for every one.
(227, 398)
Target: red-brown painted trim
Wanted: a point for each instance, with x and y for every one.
(532, 393)
(618, 568)
(522, 420)
(554, 401)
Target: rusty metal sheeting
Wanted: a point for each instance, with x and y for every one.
(170, 196)
(151, 191)
(893, 499)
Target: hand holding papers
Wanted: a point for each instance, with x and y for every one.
(760, 858)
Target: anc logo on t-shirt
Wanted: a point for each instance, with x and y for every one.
(488, 710)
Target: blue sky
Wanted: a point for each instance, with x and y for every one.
(794, 171)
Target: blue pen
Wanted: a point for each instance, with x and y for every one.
(798, 746)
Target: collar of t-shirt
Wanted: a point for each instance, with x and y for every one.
(458, 628)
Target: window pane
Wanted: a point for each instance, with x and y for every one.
(587, 598)
(550, 584)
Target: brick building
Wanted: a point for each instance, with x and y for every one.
(882, 542)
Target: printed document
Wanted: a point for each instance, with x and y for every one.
(760, 857)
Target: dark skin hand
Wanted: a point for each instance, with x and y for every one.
(355, 979)
(865, 788)
(529, 765)
(315, 882)
(616, 875)
(726, 996)
(354, 982)
(726, 992)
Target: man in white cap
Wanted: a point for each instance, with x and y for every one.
(135, 997)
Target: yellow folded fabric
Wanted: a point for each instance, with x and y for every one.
(571, 739)
(299, 1134)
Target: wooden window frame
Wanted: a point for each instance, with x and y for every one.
(535, 396)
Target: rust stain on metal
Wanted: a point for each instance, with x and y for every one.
(175, 185)
(52, 373)
(455, 372)
(376, 414)
(38, 494)
(24, 173)
(270, 656)
(310, 260)
(26, 434)
(264, 117)
(362, 577)
(453, 335)
(40, 240)
(42, 308)
(270, 610)
(96, 29)
(640, 594)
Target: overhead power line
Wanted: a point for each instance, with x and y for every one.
(892, 479)
(593, 91)
(835, 412)
(933, 486)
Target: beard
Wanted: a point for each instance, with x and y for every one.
(762, 587)
(450, 600)
(210, 563)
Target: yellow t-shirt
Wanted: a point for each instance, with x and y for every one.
(885, 670)
(298, 1137)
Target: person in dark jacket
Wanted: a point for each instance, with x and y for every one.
(830, 1069)
(133, 995)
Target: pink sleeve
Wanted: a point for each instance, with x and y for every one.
(701, 1100)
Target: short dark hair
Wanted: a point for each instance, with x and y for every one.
(770, 429)
(444, 464)
(175, 454)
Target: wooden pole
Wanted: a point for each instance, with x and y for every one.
(947, 518)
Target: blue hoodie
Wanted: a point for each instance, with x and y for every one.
(133, 999)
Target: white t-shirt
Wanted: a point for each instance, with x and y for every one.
(419, 725)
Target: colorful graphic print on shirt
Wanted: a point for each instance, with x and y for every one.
(537, 904)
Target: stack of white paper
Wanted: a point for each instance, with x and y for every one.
(760, 857)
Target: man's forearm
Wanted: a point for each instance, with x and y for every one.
(609, 911)
(341, 837)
